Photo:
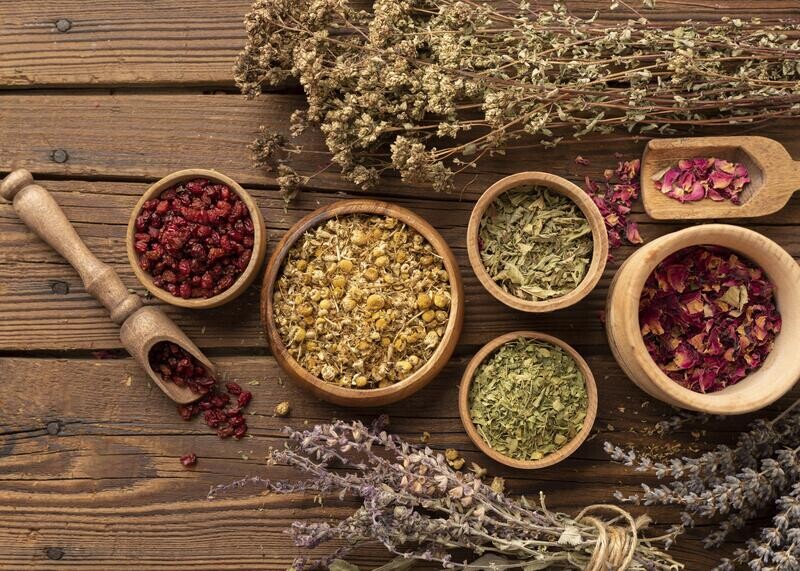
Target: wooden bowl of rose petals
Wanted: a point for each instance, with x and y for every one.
(708, 319)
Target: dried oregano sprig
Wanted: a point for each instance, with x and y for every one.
(419, 508)
(761, 472)
(394, 87)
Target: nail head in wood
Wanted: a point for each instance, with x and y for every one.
(14, 182)
(63, 25)
(54, 553)
(59, 156)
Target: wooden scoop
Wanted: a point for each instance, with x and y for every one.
(142, 327)
(774, 176)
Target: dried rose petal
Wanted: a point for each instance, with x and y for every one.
(708, 317)
(613, 198)
(698, 178)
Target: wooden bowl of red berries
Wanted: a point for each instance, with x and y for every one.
(196, 239)
(708, 319)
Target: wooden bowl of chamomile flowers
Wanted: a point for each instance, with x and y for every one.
(362, 303)
(537, 242)
(548, 384)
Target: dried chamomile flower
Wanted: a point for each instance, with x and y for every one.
(362, 301)
(282, 408)
(498, 485)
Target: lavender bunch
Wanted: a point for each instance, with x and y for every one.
(419, 508)
(429, 87)
(736, 484)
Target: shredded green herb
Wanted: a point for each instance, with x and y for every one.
(535, 243)
(528, 399)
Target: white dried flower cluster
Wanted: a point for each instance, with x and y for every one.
(429, 87)
(736, 484)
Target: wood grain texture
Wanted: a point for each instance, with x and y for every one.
(37, 314)
(89, 471)
(175, 43)
(89, 465)
(147, 136)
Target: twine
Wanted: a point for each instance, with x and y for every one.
(615, 545)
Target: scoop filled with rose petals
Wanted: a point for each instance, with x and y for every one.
(701, 178)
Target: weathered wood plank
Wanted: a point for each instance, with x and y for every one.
(148, 136)
(37, 311)
(89, 448)
(175, 43)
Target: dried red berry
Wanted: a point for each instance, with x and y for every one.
(234, 388)
(240, 431)
(178, 366)
(189, 460)
(244, 398)
(193, 226)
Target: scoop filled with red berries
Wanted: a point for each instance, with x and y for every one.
(196, 239)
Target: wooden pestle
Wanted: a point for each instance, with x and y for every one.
(141, 327)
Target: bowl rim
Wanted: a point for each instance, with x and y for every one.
(353, 396)
(555, 457)
(242, 281)
(564, 187)
(735, 399)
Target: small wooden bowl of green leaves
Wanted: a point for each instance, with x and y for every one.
(537, 242)
(527, 400)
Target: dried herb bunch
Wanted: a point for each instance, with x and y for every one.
(759, 475)
(421, 509)
(362, 301)
(535, 243)
(428, 87)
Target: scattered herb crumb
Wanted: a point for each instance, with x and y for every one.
(282, 409)
(498, 485)
(479, 471)
(454, 458)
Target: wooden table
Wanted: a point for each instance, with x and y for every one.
(100, 99)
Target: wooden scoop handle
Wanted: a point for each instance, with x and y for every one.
(36, 207)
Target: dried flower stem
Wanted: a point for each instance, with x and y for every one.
(389, 88)
(421, 509)
(739, 483)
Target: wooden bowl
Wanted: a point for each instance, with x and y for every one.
(244, 279)
(764, 386)
(363, 397)
(571, 191)
(560, 454)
